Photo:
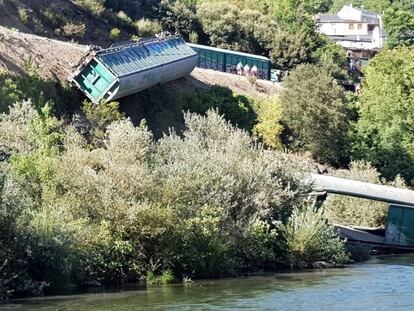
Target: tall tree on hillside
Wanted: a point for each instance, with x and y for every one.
(384, 133)
(399, 25)
(315, 112)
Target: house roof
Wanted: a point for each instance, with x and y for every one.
(367, 16)
(332, 18)
(133, 57)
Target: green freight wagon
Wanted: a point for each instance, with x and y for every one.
(400, 225)
(108, 74)
(227, 60)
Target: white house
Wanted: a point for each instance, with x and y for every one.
(353, 28)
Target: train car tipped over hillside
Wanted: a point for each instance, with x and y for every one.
(109, 74)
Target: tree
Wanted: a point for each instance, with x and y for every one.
(374, 5)
(315, 112)
(177, 16)
(333, 57)
(399, 24)
(292, 48)
(384, 133)
(228, 26)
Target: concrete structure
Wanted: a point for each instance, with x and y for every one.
(353, 28)
(323, 184)
(109, 74)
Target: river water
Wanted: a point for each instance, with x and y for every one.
(385, 283)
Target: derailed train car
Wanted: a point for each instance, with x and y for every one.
(227, 60)
(109, 74)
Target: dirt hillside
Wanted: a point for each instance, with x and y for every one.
(20, 52)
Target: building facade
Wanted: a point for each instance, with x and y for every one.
(355, 29)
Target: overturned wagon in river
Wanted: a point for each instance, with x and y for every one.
(108, 74)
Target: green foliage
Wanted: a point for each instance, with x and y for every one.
(31, 86)
(176, 16)
(309, 238)
(237, 109)
(290, 48)
(114, 33)
(354, 211)
(383, 134)
(166, 277)
(96, 7)
(333, 57)
(268, 127)
(24, 15)
(229, 27)
(315, 112)
(147, 28)
(399, 25)
(99, 117)
(374, 5)
(193, 37)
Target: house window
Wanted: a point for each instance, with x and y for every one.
(351, 26)
(359, 26)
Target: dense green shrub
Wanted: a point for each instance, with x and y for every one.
(14, 88)
(314, 110)
(147, 28)
(309, 238)
(96, 7)
(228, 26)
(268, 127)
(237, 109)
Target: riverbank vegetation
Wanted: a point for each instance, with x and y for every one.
(210, 202)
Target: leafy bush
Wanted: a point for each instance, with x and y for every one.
(230, 27)
(309, 238)
(166, 277)
(237, 109)
(354, 211)
(64, 98)
(314, 110)
(24, 15)
(114, 33)
(76, 30)
(176, 16)
(268, 127)
(96, 7)
(147, 28)
(193, 37)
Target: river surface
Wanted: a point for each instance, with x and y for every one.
(385, 283)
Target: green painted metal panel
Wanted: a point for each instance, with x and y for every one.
(95, 80)
(400, 225)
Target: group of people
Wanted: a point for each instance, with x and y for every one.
(246, 70)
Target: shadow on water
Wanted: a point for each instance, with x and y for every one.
(381, 284)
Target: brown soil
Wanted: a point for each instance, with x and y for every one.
(20, 52)
(239, 84)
